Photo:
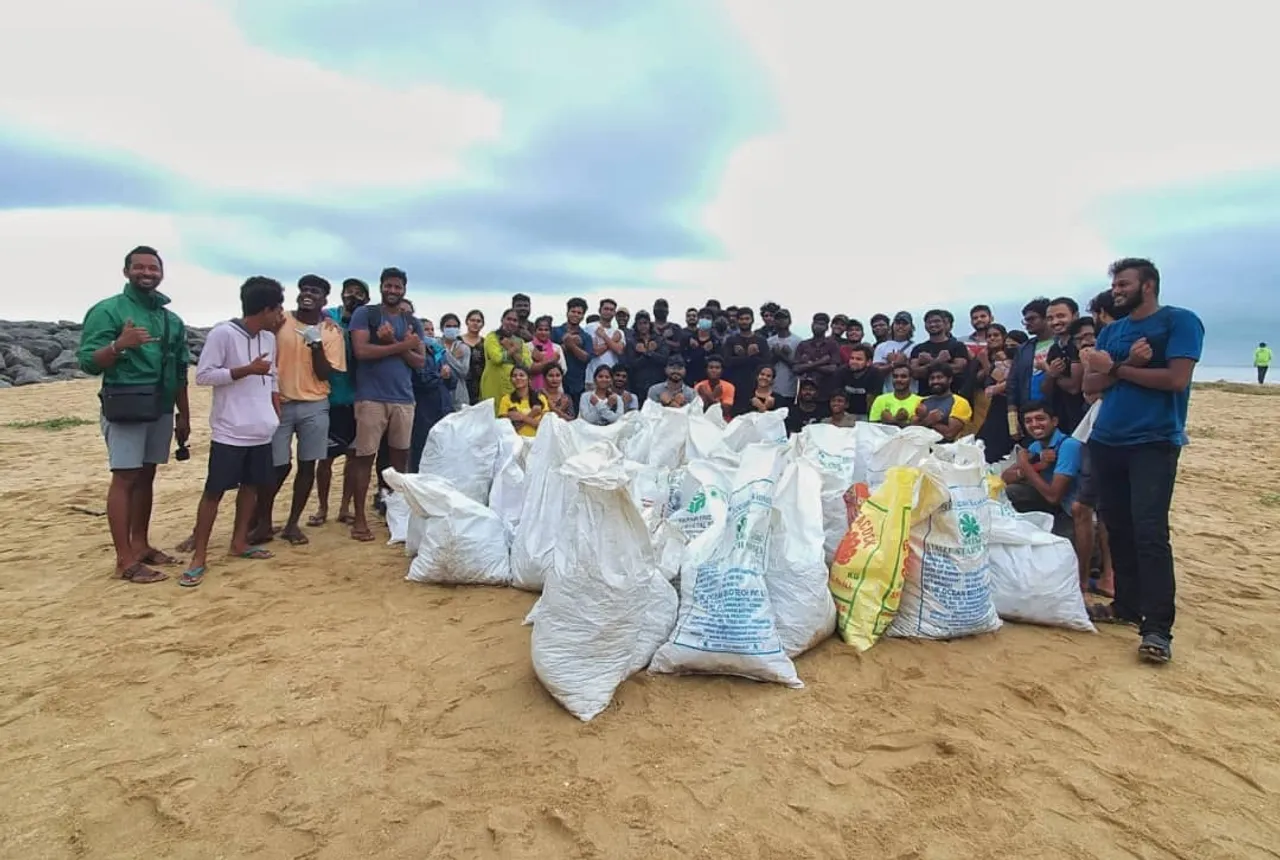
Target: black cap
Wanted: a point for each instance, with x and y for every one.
(903, 317)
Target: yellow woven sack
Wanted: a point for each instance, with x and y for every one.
(871, 561)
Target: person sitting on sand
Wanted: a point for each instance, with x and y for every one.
(898, 407)
(1047, 473)
(132, 340)
(941, 410)
(557, 400)
(622, 388)
(673, 392)
(839, 406)
(239, 362)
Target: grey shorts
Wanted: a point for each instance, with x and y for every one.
(131, 446)
(309, 421)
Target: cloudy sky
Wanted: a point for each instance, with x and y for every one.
(828, 155)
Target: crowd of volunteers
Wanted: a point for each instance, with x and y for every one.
(359, 373)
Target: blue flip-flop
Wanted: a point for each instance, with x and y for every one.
(256, 553)
(191, 578)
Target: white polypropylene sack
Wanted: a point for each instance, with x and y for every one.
(769, 427)
(397, 517)
(1085, 428)
(606, 609)
(797, 575)
(506, 494)
(908, 446)
(463, 542)
(832, 452)
(462, 447)
(946, 591)
(1034, 575)
(548, 493)
(726, 624)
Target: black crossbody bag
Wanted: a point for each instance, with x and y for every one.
(137, 404)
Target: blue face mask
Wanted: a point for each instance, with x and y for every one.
(704, 325)
(451, 332)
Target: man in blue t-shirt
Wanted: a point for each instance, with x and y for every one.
(1047, 476)
(387, 341)
(1143, 362)
(575, 345)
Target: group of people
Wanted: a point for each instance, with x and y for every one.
(367, 382)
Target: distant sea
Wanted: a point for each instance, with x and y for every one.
(1219, 373)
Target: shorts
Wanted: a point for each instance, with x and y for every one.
(234, 466)
(1086, 482)
(342, 429)
(373, 419)
(132, 446)
(309, 420)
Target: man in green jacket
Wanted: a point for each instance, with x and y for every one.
(1262, 361)
(133, 342)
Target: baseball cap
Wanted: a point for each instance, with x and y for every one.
(903, 317)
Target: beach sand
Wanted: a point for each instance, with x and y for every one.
(320, 706)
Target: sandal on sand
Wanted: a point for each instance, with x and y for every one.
(1105, 613)
(192, 577)
(140, 574)
(1096, 589)
(362, 535)
(155, 556)
(317, 520)
(295, 539)
(256, 553)
(1156, 648)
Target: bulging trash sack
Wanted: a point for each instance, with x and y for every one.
(832, 452)
(949, 594)
(726, 624)
(397, 518)
(754, 427)
(462, 542)
(463, 447)
(871, 561)
(908, 446)
(1034, 575)
(606, 609)
(796, 576)
(506, 493)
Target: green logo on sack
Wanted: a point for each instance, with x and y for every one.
(698, 502)
(970, 528)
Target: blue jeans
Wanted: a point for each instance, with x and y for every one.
(1135, 488)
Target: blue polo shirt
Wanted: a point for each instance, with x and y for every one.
(1131, 414)
(1069, 451)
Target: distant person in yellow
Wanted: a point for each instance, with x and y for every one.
(1262, 361)
(504, 350)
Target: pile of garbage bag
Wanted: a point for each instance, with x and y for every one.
(676, 542)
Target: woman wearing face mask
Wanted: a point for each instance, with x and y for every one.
(544, 353)
(699, 347)
(504, 349)
(457, 356)
(475, 342)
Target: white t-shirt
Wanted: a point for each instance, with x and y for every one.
(882, 357)
(609, 358)
(784, 378)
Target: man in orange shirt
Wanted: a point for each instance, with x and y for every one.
(309, 346)
(714, 389)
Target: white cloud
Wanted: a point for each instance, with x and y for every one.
(175, 83)
(922, 148)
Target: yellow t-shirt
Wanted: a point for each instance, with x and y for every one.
(960, 408)
(892, 404)
(297, 375)
(505, 405)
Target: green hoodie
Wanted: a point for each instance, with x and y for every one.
(141, 365)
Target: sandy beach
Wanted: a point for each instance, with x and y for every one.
(320, 706)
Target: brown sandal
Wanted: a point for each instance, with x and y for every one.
(140, 574)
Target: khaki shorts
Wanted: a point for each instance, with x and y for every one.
(373, 419)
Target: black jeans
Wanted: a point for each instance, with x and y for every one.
(1135, 487)
(1262, 374)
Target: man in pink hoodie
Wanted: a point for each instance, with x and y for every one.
(239, 361)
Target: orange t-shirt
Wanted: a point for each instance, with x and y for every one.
(703, 388)
(297, 375)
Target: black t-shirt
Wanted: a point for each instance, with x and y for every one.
(952, 347)
(863, 388)
(740, 367)
(798, 419)
(1070, 408)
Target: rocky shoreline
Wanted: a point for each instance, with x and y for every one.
(33, 351)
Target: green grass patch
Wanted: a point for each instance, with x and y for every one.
(1271, 500)
(62, 422)
(1238, 388)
